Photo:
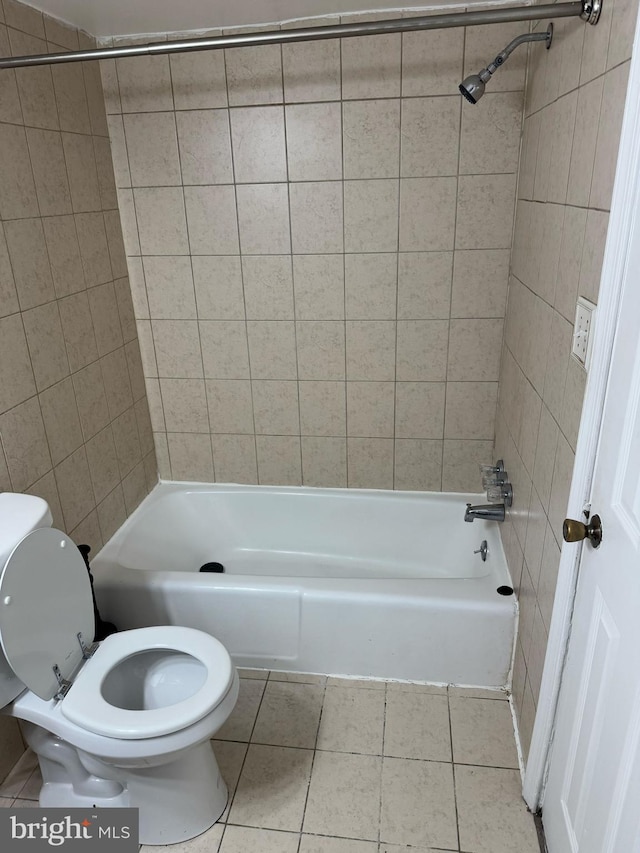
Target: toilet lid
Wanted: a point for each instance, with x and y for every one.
(45, 600)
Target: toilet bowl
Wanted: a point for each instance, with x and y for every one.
(126, 722)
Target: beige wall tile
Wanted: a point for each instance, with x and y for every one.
(424, 285)
(91, 399)
(17, 381)
(254, 75)
(324, 462)
(279, 460)
(487, 200)
(78, 331)
(64, 254)
(225, 353)
(418, 464)
(117, 385)
(103, 463)
(125, 309)
(24, 18)
(263, 219)
(145, 429)
(212, 220)
(75, 488)
(161, 221)
(177, 348)
(314, 142)
(25, 444)
(145, 84)
(17, 188)
(320, 349)
(470, 410)
(419, 410)
(49, 171)
(500, 118)
(311, 71)
(371, 67)
(94, 249)
(319, 287)
(371, 216)
(191, 456)
(480, 280)
(427, 214)
(275, 407)
(460, 462)
(152, 145)
(268, 287)
(316, 217)
(106, 318)
(71, 98)
(371, 350)
(199, 80)
(422, 350)
(30, 262)
(234, 457)
(8, 296)
(474, 350)
(111, 513)
(230, 406)
(46, 344)
(370, 409)
(37, 96)
(184, 402)
(10, 109)
(322, 408)
(127, 441)
(430, 137)
(258, 138)
(170, 289)
(205, 145)
(82, 172)
(272, 349)
(218, 287)
(371, 138)
(61, 420)
(431, 62)
(370, 463)
(371, 286)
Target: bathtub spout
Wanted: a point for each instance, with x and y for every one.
(488, 512)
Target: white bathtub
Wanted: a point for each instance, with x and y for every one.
(367, 583)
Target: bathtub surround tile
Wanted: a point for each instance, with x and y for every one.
(492, 816)
(279, 460)
(371, 216)
(417, 726)
(320, 350)
(230, 405)
(322, 408)
(263, 219)
(191, 456)
(268, 287)
(25, 444)
(419, 409)
(234, 458)
(418, 803)
(370, 286)
(422, 350)
(314, 142)
(258, 138)
(205, 144)
(311, 71)
(162, 225)
(319, 287)
(212, 221)
(254, 75)
(430, 136)
(272, 788)
(370, 463)
(371, 350)
(344, 796)
(218, 288)
(431, 62)
(461, 458)
(427, 214)
(371, 138)
(17, 382)
(424, 285)
(74, 488)
(324, 461)
(352, 721)
(184, 402)
(170, 290)
(289, 715)
(199, 80)
(225, 353)
(470, 410)
(177, 348)
(370, 409)
(272, 349)
(152, 146)
(417, 464)
(60, 416)
(275, 406)
(316, 217)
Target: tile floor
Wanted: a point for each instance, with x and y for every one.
(330, 765)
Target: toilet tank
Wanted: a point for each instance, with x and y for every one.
(19, 515)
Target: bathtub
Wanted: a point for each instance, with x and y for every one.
(338, 581)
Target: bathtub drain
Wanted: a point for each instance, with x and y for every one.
(212, 567)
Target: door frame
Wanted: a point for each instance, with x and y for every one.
(625, 214)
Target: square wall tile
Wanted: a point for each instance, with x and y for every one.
(371, 66)
(218, 287)
(17, 382)
(370, 463)
(268, 287)
(319, 287)
(276, 412)
(316, 217)
(320, 349)
(103, 463)
(199, 80)
(419, 409)
(311, 71)
(30, 262)
(422, 350)
(75, 488)
(324, 462)
(170, 289)
(106, 318)
(480, 280)
(46, 344)
(431, 62)
(91, 399)
(501, 117)
(488, 200)
(184, 402)
(177, 348)
(371, 286)
(225, 352)
(258, 139)
(371, 216)
(230, 406)
(370, 409)
(17, 188)
(145, 84)
(117, 384)
(471, 409)
(94, 249)
(234, 459)
(424, 285)
(427, 214)
(322, 408)
(474, 350)
(49, 171)
(162, 224)
(430, 137)
(371, 350)
(191, 457)
(82, 172)
(254, 75)
(417, 464)
(461, 458)
(263, 217)
(314, 142)
(279, 460)
(61, 420)
(272, 349)
(212, 221)
(205, 144)
(152, 146)
(25, 444)
(371, 141)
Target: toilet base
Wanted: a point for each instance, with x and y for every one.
(176, 801)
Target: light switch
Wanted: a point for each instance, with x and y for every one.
(582, 331)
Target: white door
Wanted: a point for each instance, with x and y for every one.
(592, 799)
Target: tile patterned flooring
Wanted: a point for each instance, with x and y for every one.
(331, 765)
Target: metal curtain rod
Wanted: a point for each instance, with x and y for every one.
(588, 10)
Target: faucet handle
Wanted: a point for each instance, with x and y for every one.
(500, 492)
(490, 470)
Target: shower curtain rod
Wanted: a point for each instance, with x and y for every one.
(588, 10)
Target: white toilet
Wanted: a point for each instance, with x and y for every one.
(126, 722)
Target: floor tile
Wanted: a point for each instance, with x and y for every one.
(208, 842)
(19, 775)
(352, 720)
(272, 789)
(32, 787)
(418, 804)
(363, 683)
(229, 756)
(240, 723)
(258, 674)
(19, 803)
(478, 693)
(5, 802)
(344, 796)
(301, 677)
(417, 726)
(482, 733)
(492, 815)
(324, 844)
(289, 714)
(412, 687)
(243, 839)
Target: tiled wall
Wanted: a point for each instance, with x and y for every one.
(318, 241)
(74, 421)
(574, 103)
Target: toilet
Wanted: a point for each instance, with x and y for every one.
(122, 723)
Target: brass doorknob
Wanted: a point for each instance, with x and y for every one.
(575, 531)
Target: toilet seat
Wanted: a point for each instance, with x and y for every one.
(86, 706)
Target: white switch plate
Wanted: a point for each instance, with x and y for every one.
(582, 331)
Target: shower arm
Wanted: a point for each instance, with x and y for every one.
(502, 57)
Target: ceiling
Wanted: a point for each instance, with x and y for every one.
(127, 17)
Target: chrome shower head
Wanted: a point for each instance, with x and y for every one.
(473, 86)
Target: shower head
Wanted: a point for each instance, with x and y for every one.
(473, 86)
